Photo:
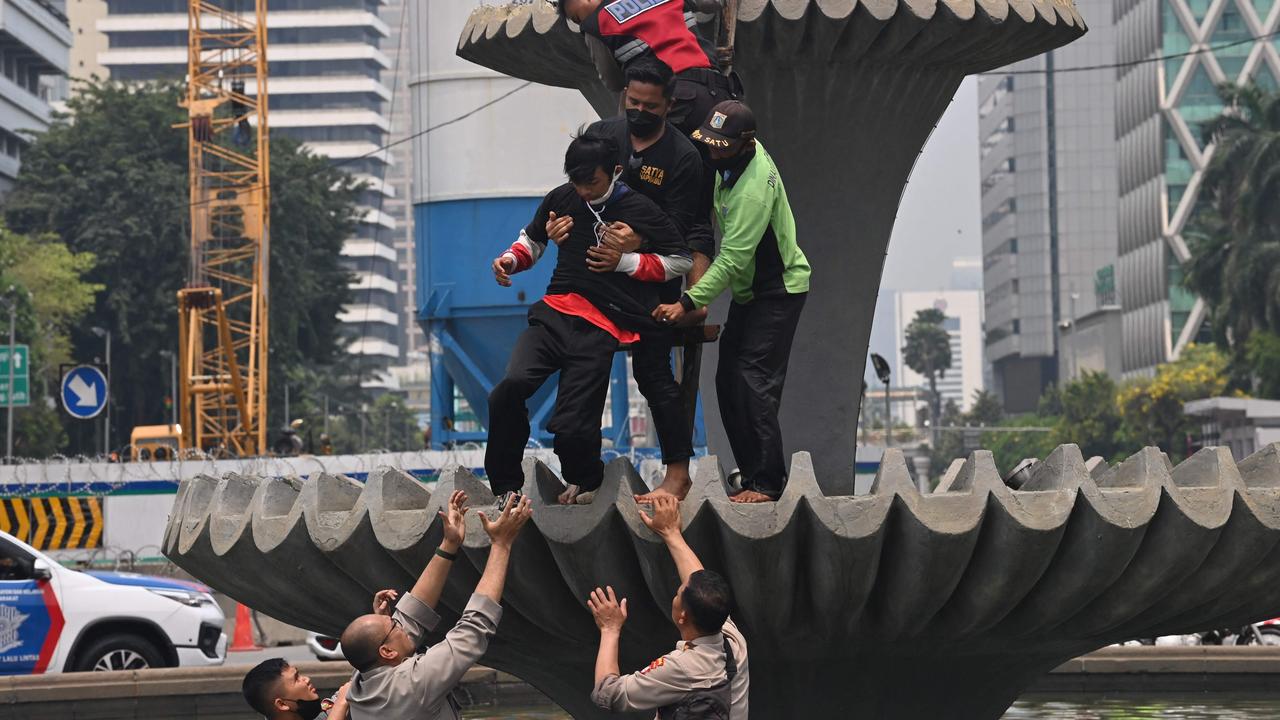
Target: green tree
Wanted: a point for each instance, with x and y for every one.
(110, 178)
(1090, 417)
(1151, 408)
(1012, 447)
(1234, 238)
(50, 297)
(1262, 352)
(928, 352)
(985, 410)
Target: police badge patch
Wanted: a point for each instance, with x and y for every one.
(717, 120)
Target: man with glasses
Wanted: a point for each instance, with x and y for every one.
(392, 679)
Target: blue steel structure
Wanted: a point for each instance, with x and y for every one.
(472, 322)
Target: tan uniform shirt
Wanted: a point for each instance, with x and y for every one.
(693, 665)
(419, 687)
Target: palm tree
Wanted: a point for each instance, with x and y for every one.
(928, 352)
(1234, 239)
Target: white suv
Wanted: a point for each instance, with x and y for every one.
(54, 619)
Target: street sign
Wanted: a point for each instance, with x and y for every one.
(21, 376)
(84, 392)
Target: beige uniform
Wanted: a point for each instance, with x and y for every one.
(420, 686)
(693, 665)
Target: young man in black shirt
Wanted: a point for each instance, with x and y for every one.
(590, 307)
(632, 30)
(664, 166)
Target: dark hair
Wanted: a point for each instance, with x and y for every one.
(651, 71)
(708, 599)
(587, 152)
(259, 687)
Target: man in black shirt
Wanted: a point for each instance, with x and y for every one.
(590, 307)
(664, 166)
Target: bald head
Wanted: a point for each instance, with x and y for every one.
(362, 638)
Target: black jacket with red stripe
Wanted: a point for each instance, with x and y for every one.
(664, 29)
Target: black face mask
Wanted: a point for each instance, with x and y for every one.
(643, 123)
(725, 163)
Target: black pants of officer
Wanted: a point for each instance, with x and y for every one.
(583, 353)
(695, 92)
(651, 367)
(754, 350)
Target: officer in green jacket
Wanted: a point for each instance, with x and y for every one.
(760, 263)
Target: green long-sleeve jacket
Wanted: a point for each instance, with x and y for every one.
(758, 255)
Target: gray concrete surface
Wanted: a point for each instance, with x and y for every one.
(847, 601)
(845, 93)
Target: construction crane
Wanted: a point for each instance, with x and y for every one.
(223, 309)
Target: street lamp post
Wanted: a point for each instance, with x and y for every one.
(8, 432)
(173, 385)
(882, 371)
(106, 410)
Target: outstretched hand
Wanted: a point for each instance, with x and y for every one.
(502, 532)
(608, 613)
(665, 519)
(454, 517)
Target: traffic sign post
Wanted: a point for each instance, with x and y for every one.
(21, 375)
(84, 391)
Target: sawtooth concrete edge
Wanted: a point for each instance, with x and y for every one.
(846, 92)
(843, 598)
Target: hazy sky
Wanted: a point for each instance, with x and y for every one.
(940, 216)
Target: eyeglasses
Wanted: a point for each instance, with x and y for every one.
(394, 624)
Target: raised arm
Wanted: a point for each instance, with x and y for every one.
(502, 535)
(665, 523)
(431, 582)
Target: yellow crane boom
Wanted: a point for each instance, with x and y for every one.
(223, 309)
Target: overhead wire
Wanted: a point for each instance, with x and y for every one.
(1131, 63)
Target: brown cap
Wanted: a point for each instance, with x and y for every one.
(730, 124)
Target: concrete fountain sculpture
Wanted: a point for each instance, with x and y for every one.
(893, 604)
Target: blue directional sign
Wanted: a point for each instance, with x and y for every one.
(84, 391)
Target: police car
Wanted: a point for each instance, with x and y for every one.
(54, 619)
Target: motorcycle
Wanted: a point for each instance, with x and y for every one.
(1266, 632)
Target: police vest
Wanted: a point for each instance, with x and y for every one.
(711, 703)
(631, 28)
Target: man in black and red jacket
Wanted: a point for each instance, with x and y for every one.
(661, 29)
(597, 299)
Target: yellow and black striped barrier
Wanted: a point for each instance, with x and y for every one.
(54, 523)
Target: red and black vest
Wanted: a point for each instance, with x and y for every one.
(634, 28)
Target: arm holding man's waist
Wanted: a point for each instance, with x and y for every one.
(745, 223)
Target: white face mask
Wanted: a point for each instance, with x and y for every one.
(607, 193)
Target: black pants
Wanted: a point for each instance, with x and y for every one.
(651, 367)
(754, 350)
(695, 92)
(583, 353)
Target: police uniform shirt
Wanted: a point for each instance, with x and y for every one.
(419, 687)
(697, 664)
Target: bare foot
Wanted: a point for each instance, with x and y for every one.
(569, 496)
(751, 496)
(675, 484)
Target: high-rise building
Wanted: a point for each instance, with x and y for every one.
(87, 42)
(1160, 110)
(35, 47)
(1048, 170)
(963, 311)
(329, 71)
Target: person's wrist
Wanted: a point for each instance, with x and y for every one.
(686, 302)
(450, 547)
(611, 631)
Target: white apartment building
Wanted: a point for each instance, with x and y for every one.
(329, 67)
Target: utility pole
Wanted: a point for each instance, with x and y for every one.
(106, 411)
(173, 385)
(326, 414)
(882, 371)
(8, 432)
(286, 403)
